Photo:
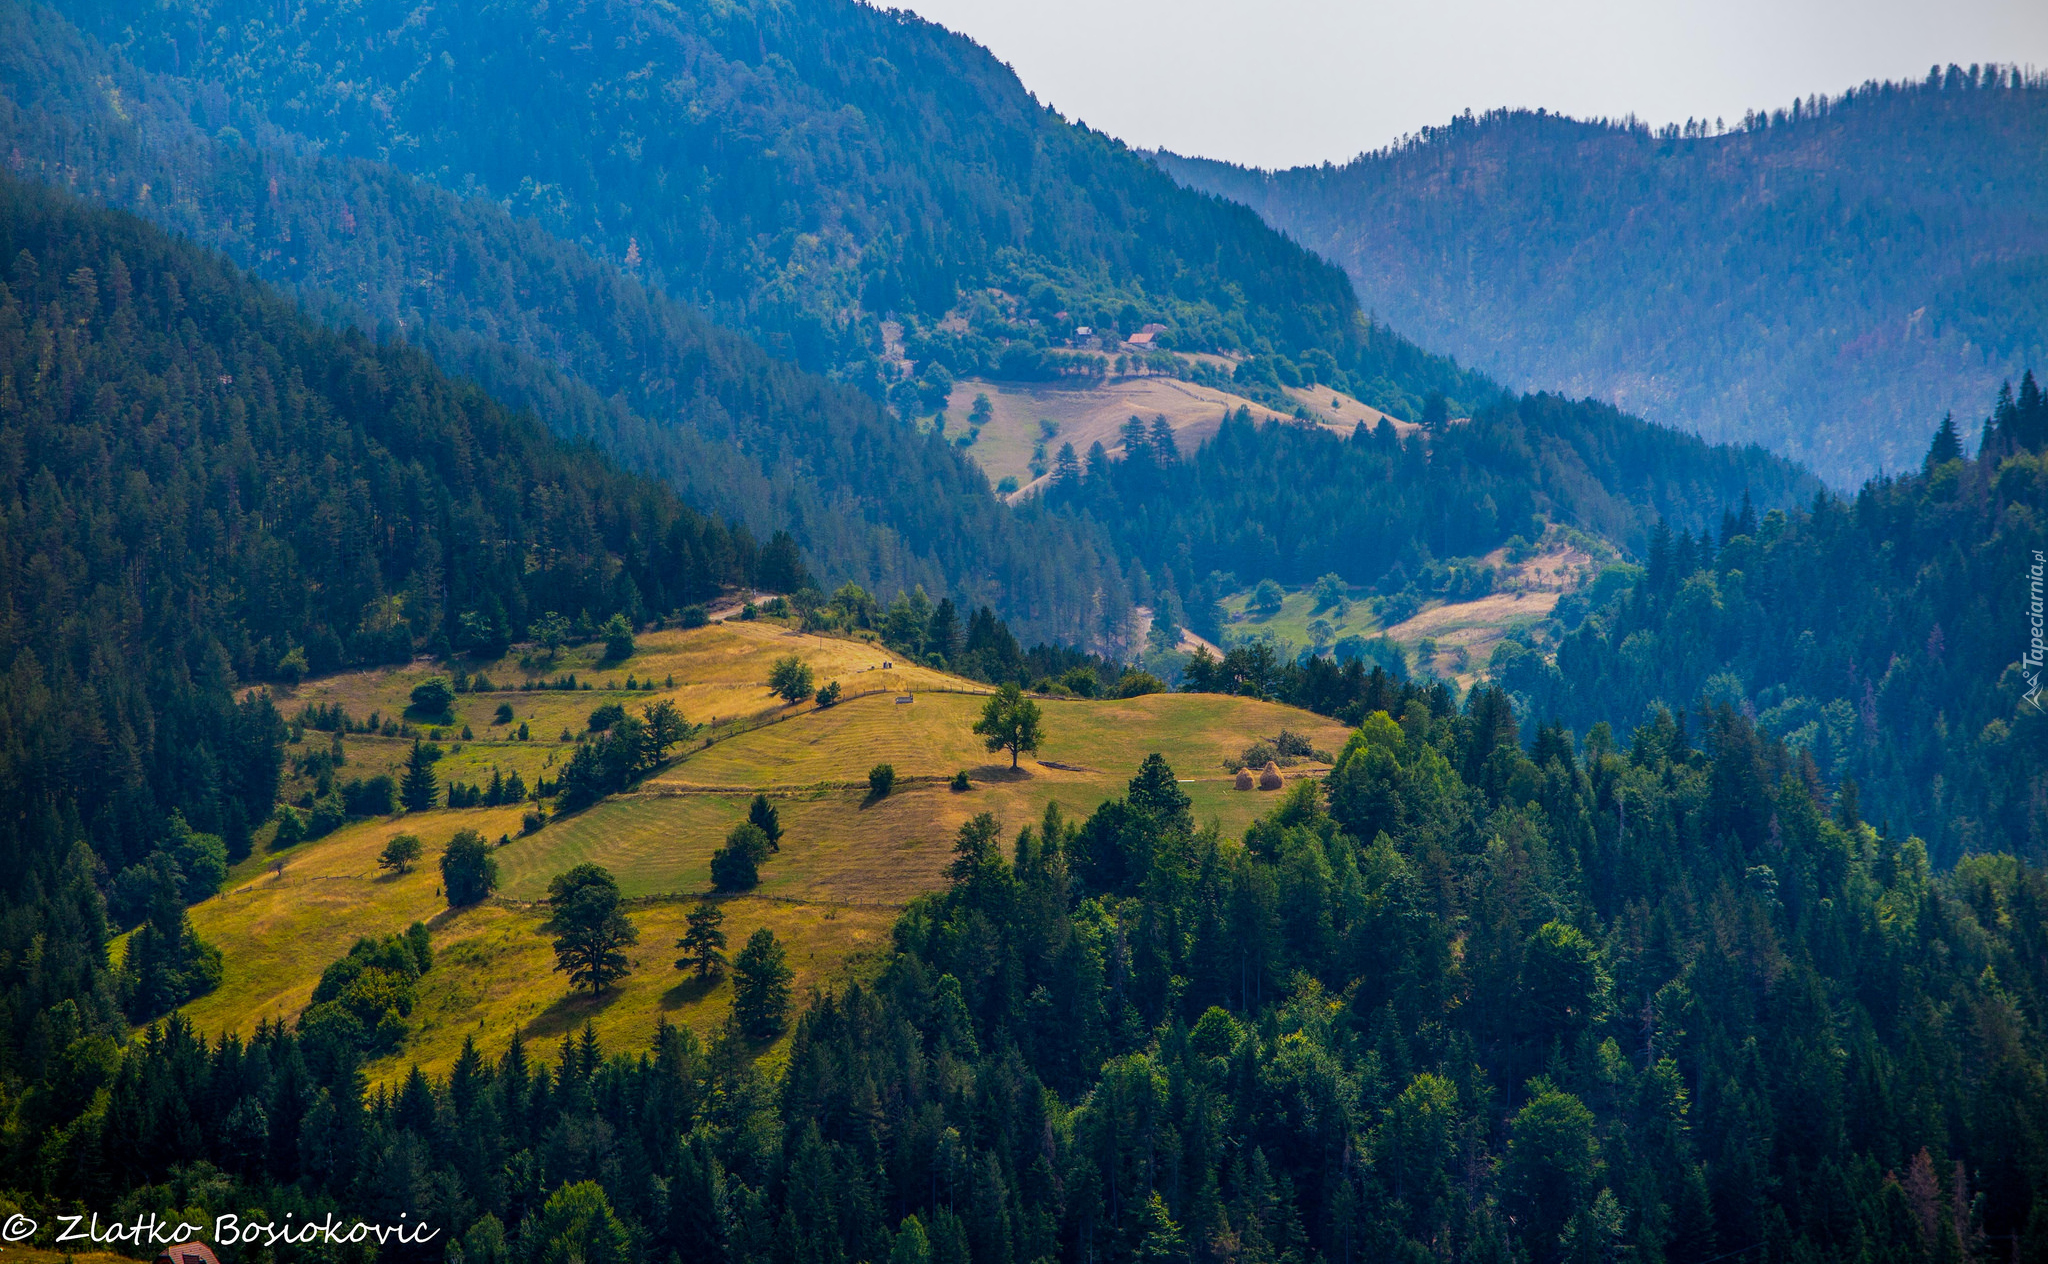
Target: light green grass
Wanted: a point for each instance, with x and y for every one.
(1290, 623)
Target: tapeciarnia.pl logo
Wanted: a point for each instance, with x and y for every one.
(2037, 647)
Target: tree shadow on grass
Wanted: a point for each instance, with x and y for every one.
(569, 1013)
(999, 772)
(690, 991)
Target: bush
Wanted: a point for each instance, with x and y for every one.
(618, 638)
(433, 696)
(532, 822)
(400, 853)
(468, 870)
(960, 781)
(503, 714)
(881, 780)
(1136, 684)
(694, 617)
(737, 865)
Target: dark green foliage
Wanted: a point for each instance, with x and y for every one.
(703, 942)
(590, 928)
(1296, 503)
(1825, 280)
(166, 963)
(881, 780)
(618, 639)
(370, 796)
(762, 815)
(1879, 635)
(433, 696)
(737, 865)
(760, 986)
(362, 1001)
(606, 714)
(1541, 1027)
(419, 789)
(469, 872)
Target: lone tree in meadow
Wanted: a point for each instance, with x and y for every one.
(1009, 722)
(760, 986)
(703, 941)
(791, 678)
(468, 871)
(400, 853)
(590, 928)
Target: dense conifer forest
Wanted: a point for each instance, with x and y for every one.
(202, 489)
(1825, 278)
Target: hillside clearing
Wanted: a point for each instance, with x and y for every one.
(845, 867)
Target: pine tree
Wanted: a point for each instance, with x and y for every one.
(760, 986)
(762, 815)
(419, 790)
(703, 942)
(1947, 445)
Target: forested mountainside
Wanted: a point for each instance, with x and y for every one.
(1297, 503)
(802, 171)
(1884, 633)
(1478, 1002)
(1827, 280)
(605, 354)
(596, 353)
(202, 487)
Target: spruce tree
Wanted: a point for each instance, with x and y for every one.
(419, 790)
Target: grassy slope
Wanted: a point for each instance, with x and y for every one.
(832, 892)
(1088, 415)
(1526, 593)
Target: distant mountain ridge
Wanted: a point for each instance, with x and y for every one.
(1827, 280)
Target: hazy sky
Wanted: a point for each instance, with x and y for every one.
(1280, 82)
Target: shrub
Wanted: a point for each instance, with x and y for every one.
(694, 617)
(468, 870)
(881, 780)
(375, 795)
(737, 865)
(618, 638)
(433, 696)
(503, 714)
(400, 853)
(532, 822)
(1136, 684)
(960, 781)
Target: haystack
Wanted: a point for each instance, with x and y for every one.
(1244, 779)
(1269, 776)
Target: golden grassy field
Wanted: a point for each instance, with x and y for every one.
(720, 673)
(846, 865)
(1093, 414)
